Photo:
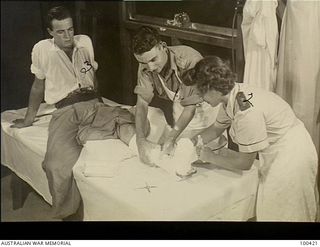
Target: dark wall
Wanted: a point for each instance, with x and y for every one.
(22, 25)
(107, 48)
(21, 28)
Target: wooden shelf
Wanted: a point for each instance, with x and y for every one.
(192, 34)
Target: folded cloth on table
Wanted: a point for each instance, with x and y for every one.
(103, 158)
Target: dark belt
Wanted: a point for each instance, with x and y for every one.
(78, 96)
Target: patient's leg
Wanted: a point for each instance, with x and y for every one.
(127, 131)
(62, 153)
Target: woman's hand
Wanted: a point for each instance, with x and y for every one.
(168, 147)
(205, 154)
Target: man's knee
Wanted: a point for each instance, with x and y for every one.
(56, 167)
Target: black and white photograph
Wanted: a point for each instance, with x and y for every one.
(160, 111)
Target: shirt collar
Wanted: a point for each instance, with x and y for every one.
(54, 47)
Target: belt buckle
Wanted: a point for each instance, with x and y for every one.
(86, 90)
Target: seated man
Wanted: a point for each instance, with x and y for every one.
(64, 69)
(159, 73)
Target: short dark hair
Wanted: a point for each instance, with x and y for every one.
(58, 13)
(209, 73)
(144, 39)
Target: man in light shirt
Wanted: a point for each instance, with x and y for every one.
(64, 69)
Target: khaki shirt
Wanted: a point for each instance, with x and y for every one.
(182, 58)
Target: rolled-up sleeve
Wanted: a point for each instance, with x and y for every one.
(144, 87)
(36, 67)
(250, 131)
(189, 58)
(89, 47)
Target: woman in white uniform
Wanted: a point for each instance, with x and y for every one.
(260, 123)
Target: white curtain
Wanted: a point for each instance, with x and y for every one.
(260, 41)
(298, 79)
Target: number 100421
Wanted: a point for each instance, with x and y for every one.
(308, 242)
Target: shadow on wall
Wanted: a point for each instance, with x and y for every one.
(21, 28)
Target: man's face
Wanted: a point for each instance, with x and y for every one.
(213, 97)
(156, 58)
(62, 32)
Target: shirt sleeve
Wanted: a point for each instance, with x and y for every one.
(36, 66)
(222, 120)
(89, 47)
(250, 131)
(144, 86)
(188, 58)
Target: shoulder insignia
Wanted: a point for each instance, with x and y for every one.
(243, 103)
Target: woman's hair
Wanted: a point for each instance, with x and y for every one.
(58, 13)
(144, 39)
(211, 73)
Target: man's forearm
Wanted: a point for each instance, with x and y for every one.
(211, 133)
(35, 99)
(232, 161)
(183, 121)
(141, 119)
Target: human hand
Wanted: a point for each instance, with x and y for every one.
(204, 154)
(145, 148)
(168, 147)
(198, 143)
(21, 123)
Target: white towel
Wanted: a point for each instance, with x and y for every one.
(103, 158)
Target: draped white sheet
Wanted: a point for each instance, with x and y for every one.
(260, 40)
(108, 179)
(211, 194)
(298, 79)
(23, 150)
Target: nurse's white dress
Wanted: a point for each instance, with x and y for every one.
(288, 159)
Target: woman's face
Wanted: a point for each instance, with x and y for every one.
(213, 97)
